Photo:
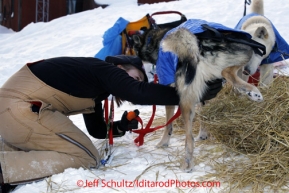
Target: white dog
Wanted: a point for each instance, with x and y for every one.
(264, 32)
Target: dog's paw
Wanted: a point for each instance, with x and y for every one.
(164, 141)
(255, 96)
(203, 135)
(187, 165)
(162, 145)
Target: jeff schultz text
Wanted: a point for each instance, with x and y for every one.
(145, 183)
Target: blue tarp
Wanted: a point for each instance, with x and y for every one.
(112, 41)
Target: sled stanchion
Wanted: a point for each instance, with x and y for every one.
(109, 137)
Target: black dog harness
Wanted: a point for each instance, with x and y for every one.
(232, 36)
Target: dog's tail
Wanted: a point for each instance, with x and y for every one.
(257, 6)
(183, 43)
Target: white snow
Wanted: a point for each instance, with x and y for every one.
(81, 35)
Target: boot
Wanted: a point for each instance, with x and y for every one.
(5, 188)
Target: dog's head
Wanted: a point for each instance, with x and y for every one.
(147, 44)
(261, 31)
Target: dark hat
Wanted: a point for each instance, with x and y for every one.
(132, 60)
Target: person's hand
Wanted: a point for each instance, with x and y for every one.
(214, 88)
(128, 120)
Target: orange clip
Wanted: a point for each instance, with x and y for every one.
(131, 115)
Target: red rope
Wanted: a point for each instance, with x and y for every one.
(109, 120)
(106, 110)
(142, 132)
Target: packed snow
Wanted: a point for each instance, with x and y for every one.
(133, 168)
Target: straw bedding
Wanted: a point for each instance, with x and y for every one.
(248, 150)
(256, 132)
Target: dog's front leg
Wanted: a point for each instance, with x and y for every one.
(169, 128)
(230, 74)
(266, 74)
(188, 113)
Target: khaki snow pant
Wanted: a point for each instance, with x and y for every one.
(37, 145)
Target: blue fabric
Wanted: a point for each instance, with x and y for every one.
(112, 41)
(281, 45)
(166, 67)
(167, 62)
(194, 25)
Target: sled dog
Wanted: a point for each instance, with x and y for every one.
(199, 61)
(261, 31)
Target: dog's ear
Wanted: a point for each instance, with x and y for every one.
(137, 40)
(137, 43)
(261, 33)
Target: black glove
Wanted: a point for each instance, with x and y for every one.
(214, 87)
(128, 122)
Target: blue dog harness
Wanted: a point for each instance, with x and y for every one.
(167, 61)
(281, 48)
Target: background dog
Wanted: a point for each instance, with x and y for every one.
(261, 31)
(199, 61)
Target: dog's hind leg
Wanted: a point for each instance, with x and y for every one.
(168, 129)
(242, 75)
(203, 133)
(188, 113)
(230, 74)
